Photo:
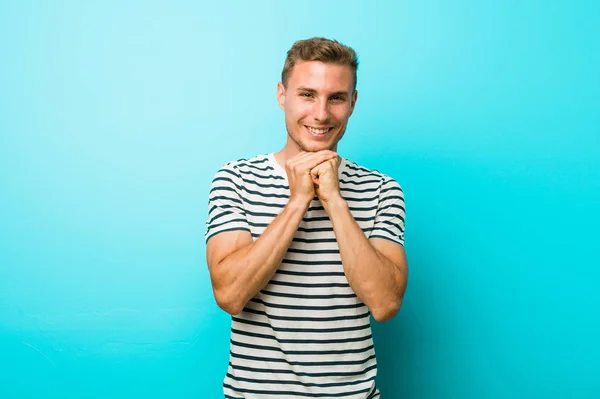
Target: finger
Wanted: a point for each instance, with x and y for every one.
(325, 165)
(316, 171)
(318, 158)
(314, 174)
(315, 180)
(305, 155)
(328, 153)
(296, 160)
(302, 155)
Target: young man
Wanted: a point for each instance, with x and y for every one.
(304, 245)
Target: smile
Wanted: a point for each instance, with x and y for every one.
(318, 132)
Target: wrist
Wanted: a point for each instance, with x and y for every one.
(334, 203)
(298, 205)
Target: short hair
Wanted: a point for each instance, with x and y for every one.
(319, 49)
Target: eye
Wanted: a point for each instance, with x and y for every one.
(306, 95)
(337, 98)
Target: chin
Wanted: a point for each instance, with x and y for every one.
(312, 147)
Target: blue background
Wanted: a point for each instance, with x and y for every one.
(114, 116)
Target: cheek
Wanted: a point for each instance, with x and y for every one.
(298, 109)
(341, 114)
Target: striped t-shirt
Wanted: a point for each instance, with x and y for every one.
(306, 333)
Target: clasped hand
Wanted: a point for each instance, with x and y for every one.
(314, 173)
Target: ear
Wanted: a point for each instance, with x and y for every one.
(353, 101)
(281, 95)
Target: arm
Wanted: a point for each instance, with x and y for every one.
(240, 268)
(376, 269)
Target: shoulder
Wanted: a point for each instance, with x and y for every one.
(385, 185)
(357, 171)
(245, 165)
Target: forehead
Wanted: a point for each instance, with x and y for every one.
(322, 76)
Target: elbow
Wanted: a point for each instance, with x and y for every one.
(228, 302)
(385, 313)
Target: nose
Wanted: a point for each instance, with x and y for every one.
(321, 110)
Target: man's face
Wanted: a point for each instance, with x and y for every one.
(317, 102)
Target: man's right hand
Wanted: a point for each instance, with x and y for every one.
(302, 187)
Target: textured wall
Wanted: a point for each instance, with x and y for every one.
(114, 117)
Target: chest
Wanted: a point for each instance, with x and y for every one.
(316, 225)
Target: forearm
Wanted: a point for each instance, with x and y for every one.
(245, 272)
(374, 278)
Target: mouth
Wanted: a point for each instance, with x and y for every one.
(319, 132)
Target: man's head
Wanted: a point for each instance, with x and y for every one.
(317, 93)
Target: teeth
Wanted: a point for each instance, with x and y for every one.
(317, 131)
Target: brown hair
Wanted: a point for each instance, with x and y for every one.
(319, 49)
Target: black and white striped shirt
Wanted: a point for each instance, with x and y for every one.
(305, 334)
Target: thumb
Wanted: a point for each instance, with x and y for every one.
(314, 173)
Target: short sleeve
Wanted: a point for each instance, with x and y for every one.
(225, 207)
(391, 213)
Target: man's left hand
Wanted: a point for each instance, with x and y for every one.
(325, 177)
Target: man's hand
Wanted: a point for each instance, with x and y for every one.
(326, 181)
(299, 171)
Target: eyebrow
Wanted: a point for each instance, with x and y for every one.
(313, 91)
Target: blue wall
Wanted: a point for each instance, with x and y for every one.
(114, 118)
